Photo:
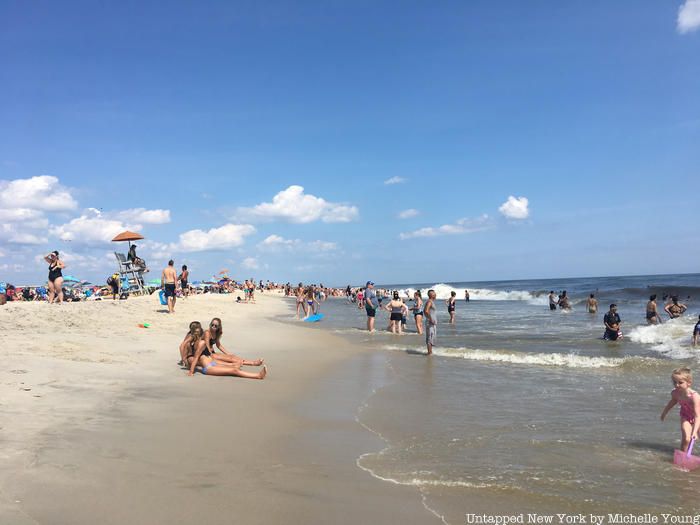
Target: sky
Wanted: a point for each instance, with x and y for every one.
(339, 142)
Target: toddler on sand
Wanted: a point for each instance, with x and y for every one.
(689, 401)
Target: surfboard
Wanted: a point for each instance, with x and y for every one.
(313, 318)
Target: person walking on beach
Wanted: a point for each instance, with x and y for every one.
(689, 401)
(183, 278)
(466, 296)
(612, 322)
(675, 309)
(168, 282)
(418, 311)
(592, 304)
(652, 314)
(431, 316)
(451, 303)
(371, 305)
(55, 277)
(552, 300)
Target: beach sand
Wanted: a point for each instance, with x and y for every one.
(100, 424)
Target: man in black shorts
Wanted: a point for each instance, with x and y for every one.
(168, 281)
(371, 305)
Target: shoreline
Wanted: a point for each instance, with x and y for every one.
(105, 441)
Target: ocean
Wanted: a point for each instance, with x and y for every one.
(523, 409)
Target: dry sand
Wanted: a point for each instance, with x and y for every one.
(101, 426)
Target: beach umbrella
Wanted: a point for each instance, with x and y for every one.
(128, 236)
(70, 279)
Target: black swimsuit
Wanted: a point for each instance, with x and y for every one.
(54, 272)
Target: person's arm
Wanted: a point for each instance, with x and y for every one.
(696, 410)
(683, 308)
(60, 264)
(667, 310)
(183, 349)
(162, 279)
(605, 322)
(426, 311)
(668, 407)
(48, 258)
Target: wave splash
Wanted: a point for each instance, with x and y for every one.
(444, 291)
(671, 338)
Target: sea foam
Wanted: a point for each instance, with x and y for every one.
(443, 291)
(671, 338)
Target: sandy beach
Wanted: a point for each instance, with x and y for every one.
(100, 423)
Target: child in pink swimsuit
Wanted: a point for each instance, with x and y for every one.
(689, 401)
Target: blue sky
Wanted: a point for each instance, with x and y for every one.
(197, 125)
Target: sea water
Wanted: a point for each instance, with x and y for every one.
(523, 409)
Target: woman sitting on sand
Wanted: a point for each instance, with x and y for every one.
(195, 355)
(213, 337)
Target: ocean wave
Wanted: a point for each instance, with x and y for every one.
(444, 291)
(570, 360)
(672, 338)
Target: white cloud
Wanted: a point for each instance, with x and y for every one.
(395, 180)
(37, 193)
(462, 226)
(293, 205)
(515, 208)
(144, 216)
(275, 243)
(20, 215)
(688, 16)
(91, 228)
(250, 263)
(407, 214)
(13, 233)
(222, 238)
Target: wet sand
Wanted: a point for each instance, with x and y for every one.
(100, 424)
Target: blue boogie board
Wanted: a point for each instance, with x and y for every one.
(313, 318)
(163, 299)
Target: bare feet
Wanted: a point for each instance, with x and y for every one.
(263, 373)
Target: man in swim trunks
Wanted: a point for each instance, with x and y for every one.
(611, 320)
(168, 282)
(675, 309)
(183, 278)
(696, 333)
(430, 313)
(552, 300)
(371, 305)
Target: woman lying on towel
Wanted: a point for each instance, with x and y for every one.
(196, 356)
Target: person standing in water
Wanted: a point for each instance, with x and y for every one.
(696, 333)
(675, 309)
(552, 300)
(564, 301)
(612, 322)
(431, 316)
(451, 303)
(652, 314)
(592, 304)
(466, 296)
(371, 305)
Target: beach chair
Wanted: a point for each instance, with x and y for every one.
(131, 278)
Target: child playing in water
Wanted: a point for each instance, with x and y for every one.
(689, 400)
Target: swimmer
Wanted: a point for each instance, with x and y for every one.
(564, 301)
(592, 304)
(451, 302)
(689, 401)
(612, 322)
(418, 311)
(652, 314)
(397, 309)
(675, 309)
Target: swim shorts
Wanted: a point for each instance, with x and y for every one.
(371, 312)
(430, 334)
(170, 290)
(396, 317)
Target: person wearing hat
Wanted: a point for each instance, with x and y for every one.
(611, 320)
(371, 305)
(138, 263)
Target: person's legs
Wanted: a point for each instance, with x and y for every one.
(58, 287)
(419, 324)
(220, 370)
(686, 429)
(51, 293)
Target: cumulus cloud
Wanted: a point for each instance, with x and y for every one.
(276, 243)
(293, 205)
(462, 226)
(394, 180)
(91, 228)
(222, 238)
(143, 216)
(250, 263)
(15, 234)
(407, 214)
(688, 16)
(515, 208)
(38, 193)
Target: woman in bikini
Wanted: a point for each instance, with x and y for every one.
(55, 277)
(652, 314)
(196, 355)
(300, 301)
(212, 337)
(397, 309)
(418, 311)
